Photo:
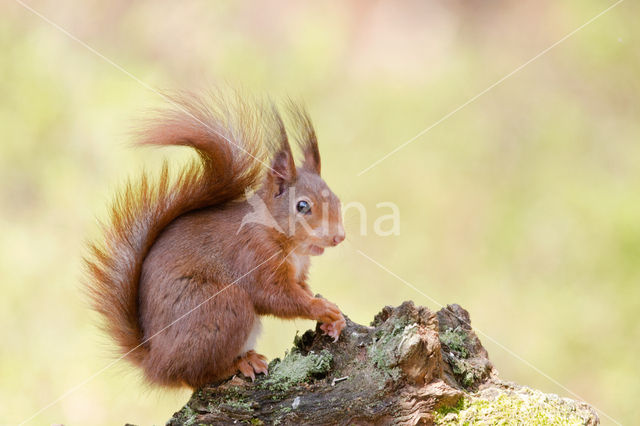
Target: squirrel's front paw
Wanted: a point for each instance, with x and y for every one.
(330, 316)
(333, 329)
(324, 311)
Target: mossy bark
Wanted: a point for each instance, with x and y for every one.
(411, 366)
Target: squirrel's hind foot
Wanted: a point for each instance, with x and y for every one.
(252, 363)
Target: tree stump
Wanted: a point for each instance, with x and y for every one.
(411, 366)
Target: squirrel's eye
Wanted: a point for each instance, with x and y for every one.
(303, 207)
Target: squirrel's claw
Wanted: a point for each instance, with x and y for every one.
(258, 362)
(245, 368)
(252, 363)
(333, 329)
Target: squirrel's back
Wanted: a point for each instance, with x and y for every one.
(230, 137)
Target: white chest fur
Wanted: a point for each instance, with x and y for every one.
(299, 263)
(253, 336)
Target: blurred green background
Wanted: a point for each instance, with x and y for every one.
(524, 207)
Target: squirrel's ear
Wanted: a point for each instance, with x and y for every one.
(283, 167)
(283, 171)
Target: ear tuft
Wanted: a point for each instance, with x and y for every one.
(306, 138)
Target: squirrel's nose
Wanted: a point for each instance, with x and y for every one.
(338, 239)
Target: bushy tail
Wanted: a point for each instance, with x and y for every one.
(228, 136)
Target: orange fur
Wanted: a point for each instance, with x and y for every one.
(176, 243)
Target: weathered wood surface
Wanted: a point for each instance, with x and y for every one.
(411, 366)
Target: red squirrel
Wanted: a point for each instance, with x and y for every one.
(181, 276)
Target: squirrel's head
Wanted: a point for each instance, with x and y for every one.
(299, 200)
